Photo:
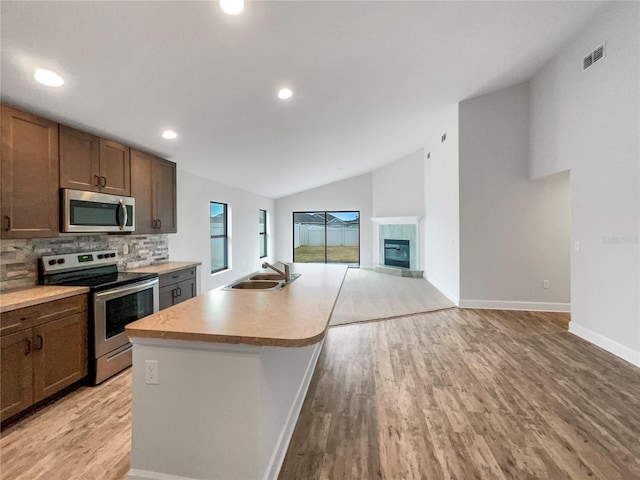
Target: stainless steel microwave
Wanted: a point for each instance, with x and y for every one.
(96, 212)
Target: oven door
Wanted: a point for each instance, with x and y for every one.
(114, 309)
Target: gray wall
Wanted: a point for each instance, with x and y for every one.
(588, 122)
(514, 233)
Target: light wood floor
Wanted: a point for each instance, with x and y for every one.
(456, 394)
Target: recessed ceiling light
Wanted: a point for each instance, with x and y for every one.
(232, 7)
(284, 93)
(48, 78)
(169, 134)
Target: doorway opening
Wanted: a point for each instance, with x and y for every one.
(326, 237)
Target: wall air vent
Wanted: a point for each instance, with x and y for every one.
(593, 57)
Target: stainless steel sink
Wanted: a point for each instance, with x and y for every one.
(255, 285)
(261, 281)
(266, 276)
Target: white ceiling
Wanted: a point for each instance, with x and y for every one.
(369, 77)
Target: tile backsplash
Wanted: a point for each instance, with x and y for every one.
(19, 258)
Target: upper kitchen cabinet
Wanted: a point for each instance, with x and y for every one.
(153, 185)
(94, 164)
(29, 169)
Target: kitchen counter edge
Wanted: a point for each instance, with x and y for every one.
(229, 317)
(28, 297)
(164, 267)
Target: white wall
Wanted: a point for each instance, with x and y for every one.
(353, 194)
(398, 191)
(398, 188)
(441, 200)
(192, 240)
(514, 233)
(588, 122)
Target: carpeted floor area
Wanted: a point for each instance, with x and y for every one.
(367, 295)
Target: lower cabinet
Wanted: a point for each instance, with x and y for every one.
(44, 349)
(176, 287)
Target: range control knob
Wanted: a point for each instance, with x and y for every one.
(100, 256)
(52, 262)
(113, 255)
(60, 261)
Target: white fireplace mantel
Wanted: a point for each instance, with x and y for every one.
(395, 220)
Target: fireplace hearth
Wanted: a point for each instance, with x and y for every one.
(397, 253)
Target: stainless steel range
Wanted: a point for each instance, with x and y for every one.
(117, 298)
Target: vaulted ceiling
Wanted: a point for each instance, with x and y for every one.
(370, 78)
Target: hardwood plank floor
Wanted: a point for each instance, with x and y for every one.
(455, 394)
(85, 435)
(467, 394)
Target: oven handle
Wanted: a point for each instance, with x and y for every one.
(126, 290)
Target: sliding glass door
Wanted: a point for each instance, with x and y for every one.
(326, 237)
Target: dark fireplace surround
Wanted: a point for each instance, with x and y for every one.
(396, 253)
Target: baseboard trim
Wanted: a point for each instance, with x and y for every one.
(505, 305)
(621, 351)
(135, 474)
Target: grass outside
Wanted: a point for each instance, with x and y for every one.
(315, 254)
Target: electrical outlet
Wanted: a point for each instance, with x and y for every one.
(545, 284)
(151, 372)
(125, 249)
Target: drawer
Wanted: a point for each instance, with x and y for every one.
(16, 320)
(177, 277)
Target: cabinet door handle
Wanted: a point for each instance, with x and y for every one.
(154, 223)
(27, 349)
(159, 223)
(104, 182)
(179, 292)
(97, 182)
(8, 222)
(40, 343)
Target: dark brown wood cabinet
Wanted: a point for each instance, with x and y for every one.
(115, 168)
(80, 160)
(44, 349)
(29, 169)
(91, 163)
(176, 287)
(153, 185)
(16, 373)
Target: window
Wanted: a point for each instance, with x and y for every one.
(326, 237)
(262, 226)
(219, 240)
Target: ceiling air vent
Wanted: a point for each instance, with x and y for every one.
(593, 57)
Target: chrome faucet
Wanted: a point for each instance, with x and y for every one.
(286, 275)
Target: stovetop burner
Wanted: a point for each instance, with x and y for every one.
(96, 270)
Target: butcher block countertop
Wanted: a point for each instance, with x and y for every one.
(29, 297)
(296, 316)
(166, 267)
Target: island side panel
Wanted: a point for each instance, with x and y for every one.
(201, 421)
(285, 377)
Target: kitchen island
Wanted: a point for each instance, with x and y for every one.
(219, 380)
